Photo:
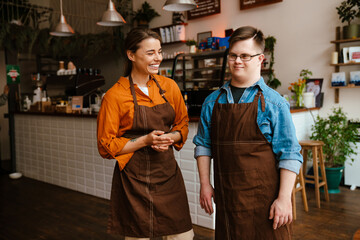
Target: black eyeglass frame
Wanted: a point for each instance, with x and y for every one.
(239, 56)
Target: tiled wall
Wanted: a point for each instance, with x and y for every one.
(62, 151)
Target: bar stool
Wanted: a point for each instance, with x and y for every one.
(299, 180)
(318, 161)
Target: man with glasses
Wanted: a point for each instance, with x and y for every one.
(246, 127)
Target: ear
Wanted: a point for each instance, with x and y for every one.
(130, 55)
(261, 58)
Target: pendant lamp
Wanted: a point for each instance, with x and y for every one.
(179, 5)
(111, 18)
(62, 29)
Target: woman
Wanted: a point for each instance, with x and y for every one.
(142, 117)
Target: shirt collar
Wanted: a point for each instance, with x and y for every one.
(123, 81)
(261, 84)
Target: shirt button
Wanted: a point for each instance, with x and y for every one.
(150, 101)
(242, 100)
(149, 86)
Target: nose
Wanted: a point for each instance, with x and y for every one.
(238, 59)
(158, 56)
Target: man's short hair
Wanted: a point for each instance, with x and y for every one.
(245, 33)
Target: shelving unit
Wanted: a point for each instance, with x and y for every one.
(337, 43)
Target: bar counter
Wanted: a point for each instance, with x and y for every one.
(61, 149)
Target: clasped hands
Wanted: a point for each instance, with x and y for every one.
(158, 140)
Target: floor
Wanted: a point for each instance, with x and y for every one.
(30, 209)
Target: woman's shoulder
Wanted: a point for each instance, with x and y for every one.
(166, 83)
(117, 90)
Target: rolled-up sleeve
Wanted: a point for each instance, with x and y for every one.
(109, 144)
(181, 122)
(285, 144)
(202, 139)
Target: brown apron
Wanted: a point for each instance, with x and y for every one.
(148, 198)
(246, 177)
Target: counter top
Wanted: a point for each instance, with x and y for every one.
(81, 115)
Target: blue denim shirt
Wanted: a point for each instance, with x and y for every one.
(275, 124)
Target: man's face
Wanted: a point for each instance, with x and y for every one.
(245, 70)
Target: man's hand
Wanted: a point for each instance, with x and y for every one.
(281, 212)
(206, 193)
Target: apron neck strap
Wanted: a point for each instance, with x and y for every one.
(161, 91)
(218, 97)
(262, 99)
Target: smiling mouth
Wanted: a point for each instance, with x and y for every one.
(154, 66)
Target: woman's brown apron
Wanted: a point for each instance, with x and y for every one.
(148, 198)
(245, 174)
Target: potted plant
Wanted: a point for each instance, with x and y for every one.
(145, 14)
(192, 45)
(339, 137)
(348, 11)
(272, 81)
(298, 87)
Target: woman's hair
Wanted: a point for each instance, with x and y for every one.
(245, 33)
(132, 40)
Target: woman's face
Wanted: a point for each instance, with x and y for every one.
(147, 57)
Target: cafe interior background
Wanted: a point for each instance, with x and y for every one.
(303, 31)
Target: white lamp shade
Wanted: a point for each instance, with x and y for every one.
(179, 5)
(111, 17)
(63, 29)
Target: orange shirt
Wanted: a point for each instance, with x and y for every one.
(117, 112)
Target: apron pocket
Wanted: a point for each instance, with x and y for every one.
(240, 191)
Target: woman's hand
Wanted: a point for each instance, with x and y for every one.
(157, 141)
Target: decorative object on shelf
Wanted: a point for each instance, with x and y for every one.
(178, 17)
(339, 137)
(355, 78)
(111, 18)
(338, 79)
(298, 88)
(315, 85)
(348, 11)
(62, 29)
(203, 36)
(192, 45)
(179, 5)
(246, 4)
(145, 14)
(334, 58)
(272, 81)
(354, 54)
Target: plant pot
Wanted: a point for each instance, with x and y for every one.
(192, 49)
(333, 178)
(351, 31)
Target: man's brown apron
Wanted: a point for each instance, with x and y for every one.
(246, 177)
(148, 198)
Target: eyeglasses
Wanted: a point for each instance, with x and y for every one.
(244, 57)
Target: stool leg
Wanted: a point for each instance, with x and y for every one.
(316, 176)
(293, 202)
(305, 153)
(323, 174)
(303, 192)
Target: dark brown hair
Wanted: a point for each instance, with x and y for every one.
(245, 33)
(132, 40)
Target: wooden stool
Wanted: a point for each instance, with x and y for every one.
(318, 161)
(299, 179)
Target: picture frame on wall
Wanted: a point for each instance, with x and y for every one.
(203, 36)
(246, 4)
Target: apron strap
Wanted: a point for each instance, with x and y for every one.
(221, 92)
(161, 91)
(262, 100)
(133, 90)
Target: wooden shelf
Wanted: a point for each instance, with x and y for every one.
(341, 87)
(345, 64)
(170, 43)
(346, 40)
